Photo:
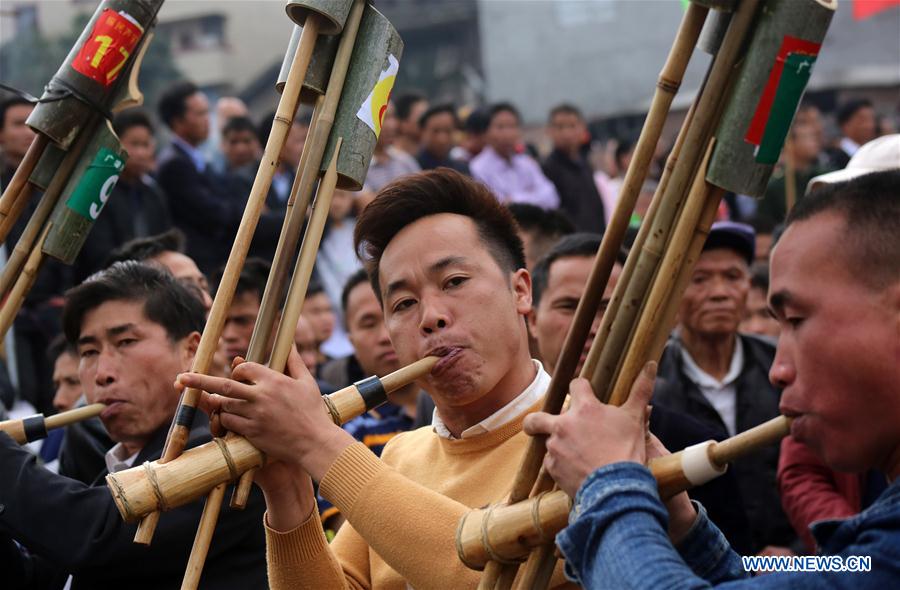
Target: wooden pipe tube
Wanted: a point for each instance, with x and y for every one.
(159, 485)
(308, 174)
(287, 107)
(617, 331)
(203, 538)
(16, 195)
(510, 532)
(32, 428)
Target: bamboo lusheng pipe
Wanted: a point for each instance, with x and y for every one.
(13, 303)
(17, 193)
(287, 106)
(47, 203)
(667, 86)
(144, 489)
(203, 538)
(311, 163)
(268, 310)
(511, 531)
(667, 290)
(32, 428)
(618, 323)
(284, 337)
(616, 330)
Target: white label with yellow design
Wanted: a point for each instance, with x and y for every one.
(372, 110)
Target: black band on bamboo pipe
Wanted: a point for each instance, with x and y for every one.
(35, 427)
(185, 415)
(372, 391)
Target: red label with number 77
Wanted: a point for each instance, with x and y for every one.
(107, 49)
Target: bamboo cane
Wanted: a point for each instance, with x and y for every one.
(24, 282)
(45, 207)
(154, 486)
(310, 164)
(32, 428)
(511, 531)
(667, 86)
(287, 106)
(15, 197)
(202, 540)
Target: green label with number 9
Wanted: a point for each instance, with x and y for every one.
(96, 184)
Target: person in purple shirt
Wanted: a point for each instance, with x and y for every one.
(513, 177)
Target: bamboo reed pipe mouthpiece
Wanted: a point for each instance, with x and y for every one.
(32, 428)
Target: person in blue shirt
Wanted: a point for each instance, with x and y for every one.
(835, 291)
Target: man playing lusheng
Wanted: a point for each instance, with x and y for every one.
(838, 363)
(135, 328)
(447, 264)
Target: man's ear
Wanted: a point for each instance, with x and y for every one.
(521, 286)
(189, 345)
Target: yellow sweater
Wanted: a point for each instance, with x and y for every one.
(402, 513)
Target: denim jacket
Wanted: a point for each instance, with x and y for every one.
(617, 539)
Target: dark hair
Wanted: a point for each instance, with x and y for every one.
(60, 346)
(150, 247)
(443, 190)
(578, 245)
(759, 276)
(166, 301)
(870, 208)
(846, 111)
(315, 287)
(624, 146)
(547, 222)
(237, 124)
(503, 107)
(356, 279)
(565, 109)
(437, 110)
(173, 103)
(253, 277)
(125, 120)
(404, 103)
(477, 122)
(9, 103)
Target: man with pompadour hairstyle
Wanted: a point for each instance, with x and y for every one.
(446, 263)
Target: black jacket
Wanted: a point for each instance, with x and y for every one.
(78, 529)
(757, 402)
(134, 210)
(578, 194)
(199, 206)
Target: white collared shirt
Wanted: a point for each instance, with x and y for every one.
(504, 415)
(849, 146)
(117, 459)
(722, 395)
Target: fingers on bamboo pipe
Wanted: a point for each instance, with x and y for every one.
(203, 539)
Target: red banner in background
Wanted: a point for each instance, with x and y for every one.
(863, 9)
